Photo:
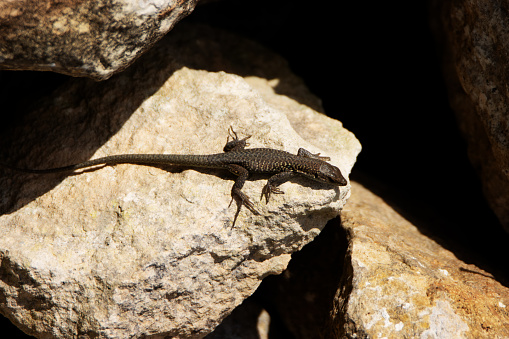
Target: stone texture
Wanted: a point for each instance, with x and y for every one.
(474, 40)
(398, 283)
(378, 276)
(130, 251)
(83, 38)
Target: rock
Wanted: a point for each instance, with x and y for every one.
(93, 39)
(474, 41)
(397, 282)
(378, 276)
(132, 251)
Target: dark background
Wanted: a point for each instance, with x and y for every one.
(376, 68)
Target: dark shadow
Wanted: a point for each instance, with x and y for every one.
(270, 26)
(301, 298)
(11, 329)
(475, 272)
(243, 323)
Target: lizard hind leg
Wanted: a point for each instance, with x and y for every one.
(237, 194)
(242, 200)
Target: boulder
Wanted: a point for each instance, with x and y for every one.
(132, 251)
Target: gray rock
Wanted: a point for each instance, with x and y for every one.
(129, 251)
(93, 39)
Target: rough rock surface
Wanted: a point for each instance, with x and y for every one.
(474, 38)
(83, 38)
(378, 276)
(398, 283)
(129, 251)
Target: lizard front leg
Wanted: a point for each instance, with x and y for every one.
(235, 144)
(237, 194)
(273, 183)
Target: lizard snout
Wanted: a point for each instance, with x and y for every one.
(332, 175)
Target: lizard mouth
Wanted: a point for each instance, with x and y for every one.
(341, 181)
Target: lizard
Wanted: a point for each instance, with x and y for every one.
(237, 159)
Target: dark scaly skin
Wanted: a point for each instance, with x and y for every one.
(237, 160)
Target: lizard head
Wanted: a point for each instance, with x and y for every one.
(330, 174)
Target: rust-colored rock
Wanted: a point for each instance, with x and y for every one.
(399, 283)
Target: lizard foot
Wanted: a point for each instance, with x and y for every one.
(242, 199)
(235, 144)
(267, 190)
